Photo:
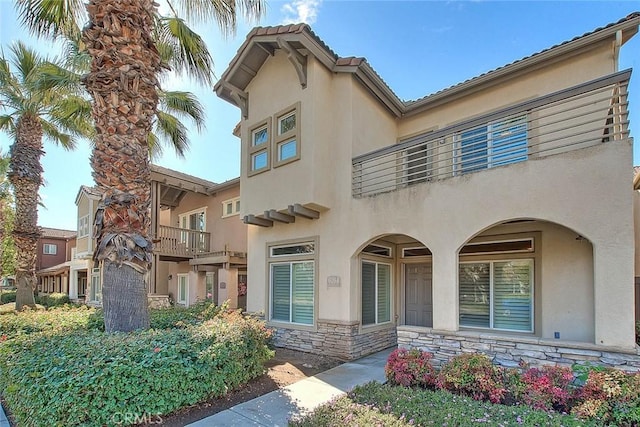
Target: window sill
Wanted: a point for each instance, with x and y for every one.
(377, 327)
(257, 171)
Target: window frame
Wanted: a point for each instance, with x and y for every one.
(281, 139)
(253, 150)
(49, 245)
(490, 159)
(95, 292)
(184, 301)
(83, 226)
(235, 207)
(290, 259)
(491, 261)
(371, 259)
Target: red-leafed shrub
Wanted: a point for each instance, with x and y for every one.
(548, 388)
(410, 368)
(473, 375)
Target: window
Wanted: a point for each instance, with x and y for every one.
(259, 147)
(494, 144)
(183, 289)
(211, 290)
(96, 286)
(292, 278)
(497, 294)
(231, 207)
(376, 293)
(196, 221)
(377, 250)
(287, 140)
(83, 226)
(49, 249)
(420, 163)
(413, 252)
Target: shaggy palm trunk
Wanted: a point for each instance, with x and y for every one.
(3, 224)
(122, 83)
(25, 173)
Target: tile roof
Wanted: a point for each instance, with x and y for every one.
(57, 233)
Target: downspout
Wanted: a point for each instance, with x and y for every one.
(616, 50)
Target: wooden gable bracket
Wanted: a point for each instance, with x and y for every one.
(280, 217)
(242, 99)
(299, 210)
(254, 220)
(298, 60)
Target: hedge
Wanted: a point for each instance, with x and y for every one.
(92, 378)
(7, 297)
(53, 300)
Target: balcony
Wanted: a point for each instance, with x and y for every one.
(572, 119)
(180, 243)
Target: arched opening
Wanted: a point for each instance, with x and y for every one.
(395, 278)
(527, 276)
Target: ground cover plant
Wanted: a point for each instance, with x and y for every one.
(470, 390)
(72, 373)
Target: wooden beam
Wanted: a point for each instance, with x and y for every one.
(299, 210)
(254, 220)
(280, 217)
(247, 70)
(298, 60)
(267, 48)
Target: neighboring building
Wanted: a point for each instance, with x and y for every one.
(199, 241)
(636, 223)
(494, 215)
(55, 248)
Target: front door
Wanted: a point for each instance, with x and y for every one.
(418, 295)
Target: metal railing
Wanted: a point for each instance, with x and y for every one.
(181, 242)
(571, 119)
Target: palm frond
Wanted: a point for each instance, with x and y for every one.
(51, 132)
(51, 18)
(72, 114)
(55, 76)
(170, 128)
(8, 125)
(26, 60)
(184, 104)
(186, 50)
(224, 12)
(155, 148)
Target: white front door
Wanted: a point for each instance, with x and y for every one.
(183, 289)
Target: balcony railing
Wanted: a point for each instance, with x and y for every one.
(571, 119)
(180, 242)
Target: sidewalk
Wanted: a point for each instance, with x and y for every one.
(276, 408)
(4, 422)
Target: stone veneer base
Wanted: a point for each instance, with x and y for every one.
(334, 338)
(510, 350)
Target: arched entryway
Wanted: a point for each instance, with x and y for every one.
(396, 285)
(527, 276)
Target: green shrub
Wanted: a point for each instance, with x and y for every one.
(7, 297)
(57, 320)
(638, 333)
(377, 404)
(181, 317)
(89, 377)
(53, 300)
(472, 375)
(410, 368)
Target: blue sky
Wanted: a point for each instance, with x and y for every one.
(418, 47)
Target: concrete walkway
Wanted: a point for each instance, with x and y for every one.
(276, 408)
(4, 422)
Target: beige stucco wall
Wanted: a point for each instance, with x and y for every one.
(82, 244)
(636, 224)
(446, 214)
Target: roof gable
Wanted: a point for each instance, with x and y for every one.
(262, 42)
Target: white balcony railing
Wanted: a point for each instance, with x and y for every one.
(180, 242)
(571, 119)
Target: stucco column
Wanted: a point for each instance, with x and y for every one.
(73, 285)
(445, 289)
(614, 294)
(65, 285)
(228, 286)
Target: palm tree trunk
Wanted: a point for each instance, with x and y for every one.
(26, 176)
(122, 83)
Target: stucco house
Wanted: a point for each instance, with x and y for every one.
(199, 242)
(494, 215)
(55, 251)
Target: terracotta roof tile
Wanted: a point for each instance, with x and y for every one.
(350, 61)
(57, 233)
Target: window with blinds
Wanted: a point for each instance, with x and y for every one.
(497, 294)
(292, 292)
(376, 293)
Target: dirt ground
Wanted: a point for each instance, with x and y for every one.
(287, 367)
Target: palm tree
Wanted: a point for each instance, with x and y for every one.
(130, 44)
(5, 198)
(33, 110)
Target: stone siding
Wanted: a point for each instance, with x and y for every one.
(335, 338)
(510, 350)
(158, 301)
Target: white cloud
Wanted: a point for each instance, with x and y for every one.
(298, 11)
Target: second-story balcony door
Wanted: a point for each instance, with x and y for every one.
(194, 221)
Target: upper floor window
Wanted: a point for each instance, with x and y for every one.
(83, 226)
(494, 144)
(287, 141)
(231, 207)
(49, 249)
(260, 147)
